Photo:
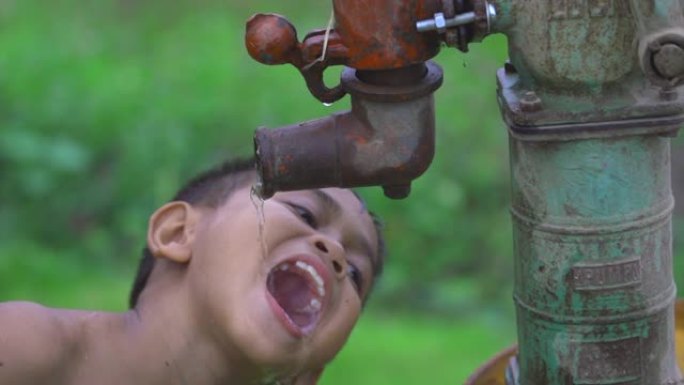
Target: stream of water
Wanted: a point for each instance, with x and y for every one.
(258, 203)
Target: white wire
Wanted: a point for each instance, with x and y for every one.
(331, 22)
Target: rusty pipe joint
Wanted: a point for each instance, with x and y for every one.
(387, 138)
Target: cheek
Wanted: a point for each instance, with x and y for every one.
(281, 225)
(341, 325)
(224, 268)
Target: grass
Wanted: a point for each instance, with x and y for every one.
(410, 349)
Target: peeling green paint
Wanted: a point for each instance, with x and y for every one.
(591, 194)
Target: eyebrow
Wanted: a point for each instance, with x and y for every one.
(327, 201)
(334, 207)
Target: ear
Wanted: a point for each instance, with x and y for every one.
(171, 231)
(309, 378)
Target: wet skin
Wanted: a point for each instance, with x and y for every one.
(327, 226)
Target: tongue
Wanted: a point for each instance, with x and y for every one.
(294, 296)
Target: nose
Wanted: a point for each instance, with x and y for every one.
(333, 252)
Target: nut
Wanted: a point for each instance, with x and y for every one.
(530, 102)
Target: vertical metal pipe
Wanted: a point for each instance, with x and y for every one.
(594, 289)
(591, 199)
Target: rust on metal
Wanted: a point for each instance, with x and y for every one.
(368, 35)
(387, 138)
(271, 39)
(493, 372)
(381, 34)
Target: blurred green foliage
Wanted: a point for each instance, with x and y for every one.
(107, 106)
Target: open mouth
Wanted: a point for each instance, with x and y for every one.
(299, 290)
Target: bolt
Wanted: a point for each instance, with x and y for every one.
(668, 61)
(397, 191)
(491, 16)
(530, 102)
(440, 22)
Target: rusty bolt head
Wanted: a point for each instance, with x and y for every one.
(530, 102)
(668, 61)
(397, 191)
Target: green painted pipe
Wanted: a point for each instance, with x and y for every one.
(593, 261)
(590, 98)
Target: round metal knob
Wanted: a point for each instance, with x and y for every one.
(271, 39)
(662, 58)
(669, 61)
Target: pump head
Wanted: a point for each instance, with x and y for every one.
(388, 136)
(367, 35)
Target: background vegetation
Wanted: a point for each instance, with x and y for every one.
(107, 106)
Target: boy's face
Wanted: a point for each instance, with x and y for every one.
(286, 297)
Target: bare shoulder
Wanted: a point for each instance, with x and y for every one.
(33, 343)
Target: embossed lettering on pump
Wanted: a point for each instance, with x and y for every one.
(577, 9)
(603, 276)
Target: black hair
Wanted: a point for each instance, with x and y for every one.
(211, 189)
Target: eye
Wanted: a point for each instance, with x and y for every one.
(355, 275)
(305, 214)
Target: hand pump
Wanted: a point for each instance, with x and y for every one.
(591, 98)
(388, 136)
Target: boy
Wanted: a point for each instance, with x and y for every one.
(213, 303)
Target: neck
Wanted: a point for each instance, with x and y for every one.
(157, 343)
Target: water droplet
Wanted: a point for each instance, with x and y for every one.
(258, 203)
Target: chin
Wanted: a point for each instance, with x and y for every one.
(263, 342)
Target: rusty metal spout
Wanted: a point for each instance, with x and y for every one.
(387, 138)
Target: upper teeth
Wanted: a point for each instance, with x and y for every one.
(314, 274)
